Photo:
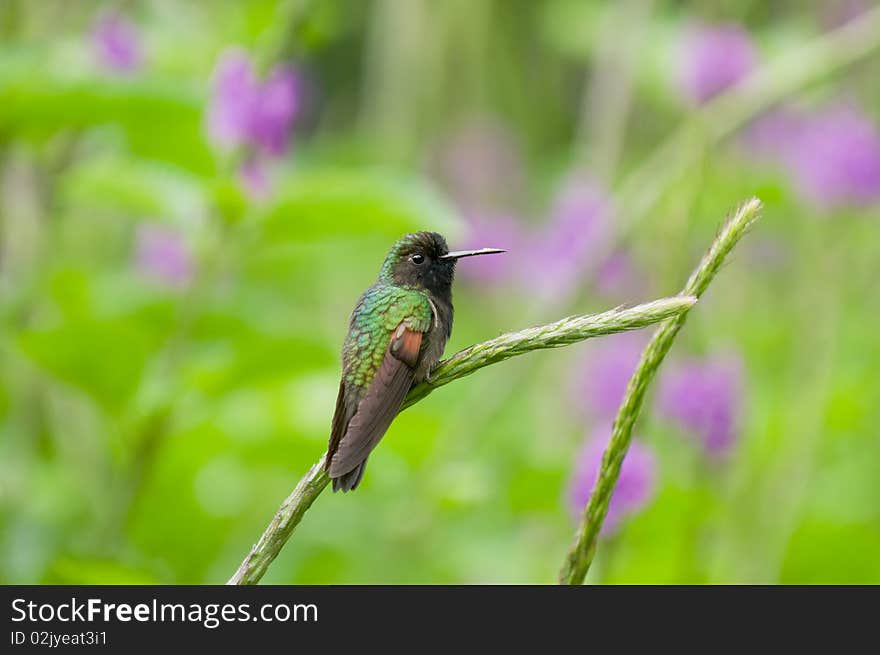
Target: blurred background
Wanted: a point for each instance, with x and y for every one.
(194, 194)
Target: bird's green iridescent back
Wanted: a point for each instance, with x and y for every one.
(375, 317)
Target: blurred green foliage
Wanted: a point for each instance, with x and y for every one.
(148, 432)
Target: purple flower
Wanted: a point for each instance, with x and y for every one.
(560, 254)
(274, 111)
(247, 112)
(255, 178)
(832, 155)
(704, 397)
(774, 133)
(163, 255)
(835, 158)
(635, 486)
(602, 376)
(235, 88)
(117, 43)
(713, 58)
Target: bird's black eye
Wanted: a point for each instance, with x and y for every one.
(418, 259)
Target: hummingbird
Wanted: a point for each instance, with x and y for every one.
(396, 334)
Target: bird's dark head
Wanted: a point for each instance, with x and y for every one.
(422, 260)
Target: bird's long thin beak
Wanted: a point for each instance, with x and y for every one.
(458, 254)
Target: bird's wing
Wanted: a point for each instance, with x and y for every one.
(345, 409)
(352, 440)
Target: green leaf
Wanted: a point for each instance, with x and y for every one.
(229, 200)
(131, 187)
(321, 203)
(158, 120)
(105, 359)
(821, 552)
(70, 289)
(4, 402)
(572, 28)
(69, 570)
(262, 358)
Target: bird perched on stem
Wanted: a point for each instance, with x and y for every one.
(397, 333)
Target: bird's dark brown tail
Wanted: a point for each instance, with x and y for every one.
(349, 481)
